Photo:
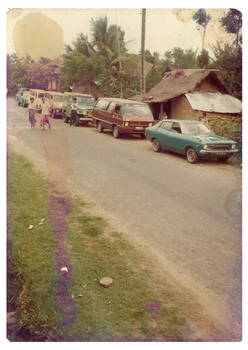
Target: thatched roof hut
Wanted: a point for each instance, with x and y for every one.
(184, 93)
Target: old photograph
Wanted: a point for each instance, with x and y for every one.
(124, 174)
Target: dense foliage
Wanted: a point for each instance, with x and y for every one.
(105, 62)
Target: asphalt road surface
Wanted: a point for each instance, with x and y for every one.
(188, 215)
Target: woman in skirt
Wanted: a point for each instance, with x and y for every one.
(31, 112)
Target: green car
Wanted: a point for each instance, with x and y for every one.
(85, 104)
(25, 98)
(20, 97)
(191, 138)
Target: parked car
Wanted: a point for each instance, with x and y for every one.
(56, 101)
(25, 98)
(191, 138)
(85, 103)
(122, 116)
(19, 95)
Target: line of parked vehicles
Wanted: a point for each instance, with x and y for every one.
(191, 138)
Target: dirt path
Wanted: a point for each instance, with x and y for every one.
(59, 208)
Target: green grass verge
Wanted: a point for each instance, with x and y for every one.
(134, 307)
(31, 278)
(137, 306)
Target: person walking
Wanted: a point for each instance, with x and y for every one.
(31, 112)
(74, 107)
(45, 113)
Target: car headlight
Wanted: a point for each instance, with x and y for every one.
(233, 145)
(205, 147)
(150, 124)
(126, 123)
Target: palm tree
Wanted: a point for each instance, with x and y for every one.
(107, 41)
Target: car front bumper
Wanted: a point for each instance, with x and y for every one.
(209, 154)
(84, 119)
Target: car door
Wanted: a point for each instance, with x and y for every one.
(176, 139)
(163, 133)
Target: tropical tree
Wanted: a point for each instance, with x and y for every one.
(232, 22)
(107, 41)
(44, 60)
(202, 18)
(83, 46)
(180, 58)
(203, 59)
(229, 61)
(15, 73)
(229, 58)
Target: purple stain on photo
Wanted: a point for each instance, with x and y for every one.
(154, 306)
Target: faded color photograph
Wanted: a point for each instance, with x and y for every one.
(124, 183)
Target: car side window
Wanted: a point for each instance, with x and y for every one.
(176, 128)
(166, 125)
(101, 104)
(118, 109)
(111, 107)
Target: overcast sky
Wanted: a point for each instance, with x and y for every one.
(165, 28)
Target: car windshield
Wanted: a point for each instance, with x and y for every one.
(136, 109)
(87, 100)
(194, 128)
(58, 98)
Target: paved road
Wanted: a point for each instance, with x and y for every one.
(189, 215)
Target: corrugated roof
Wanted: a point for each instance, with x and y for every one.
(214, 102)
(178, 82)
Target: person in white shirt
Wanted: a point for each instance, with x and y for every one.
(31, 112)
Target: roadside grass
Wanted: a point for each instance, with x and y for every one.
(135, 306)
(138, 306)
(31, 277)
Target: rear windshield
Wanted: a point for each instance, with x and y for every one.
(139, 110)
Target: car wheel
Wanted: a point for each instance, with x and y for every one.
(192, 156)
(156, 145)
(116, 133)
(99, 127)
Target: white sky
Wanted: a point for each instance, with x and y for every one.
(164, 30)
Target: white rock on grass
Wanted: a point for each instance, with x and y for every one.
(106, 282)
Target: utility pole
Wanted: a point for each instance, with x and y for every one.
(142, 78)
(120, 65)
